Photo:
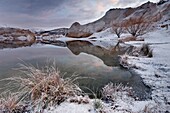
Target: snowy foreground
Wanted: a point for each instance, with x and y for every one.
(154, 71)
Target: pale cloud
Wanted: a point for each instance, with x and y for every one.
(100, 7)
(114, 1)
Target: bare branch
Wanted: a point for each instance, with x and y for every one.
(138, 26)
(118, 28)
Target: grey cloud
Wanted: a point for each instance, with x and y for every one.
(31, 7)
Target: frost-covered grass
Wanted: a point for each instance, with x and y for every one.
(42, 87)
(116, 99)
(10, 102)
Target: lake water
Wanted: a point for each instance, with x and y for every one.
(82, 57)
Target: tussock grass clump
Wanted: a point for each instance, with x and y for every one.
(111, 91)
(11, 103)
(124, 61)
(45, 86)
(146, 50)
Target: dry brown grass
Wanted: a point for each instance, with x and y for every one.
(144, 50)
(127, 39)
(9, 102)
(45, 86)
(113, 91)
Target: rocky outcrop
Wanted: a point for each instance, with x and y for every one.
(78, 31)
(15, 36)
(149, 9)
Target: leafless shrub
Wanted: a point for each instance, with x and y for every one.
(118, 28)
(138, 26)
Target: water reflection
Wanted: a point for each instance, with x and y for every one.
(82, 57)
(108, 56)
(13, 45)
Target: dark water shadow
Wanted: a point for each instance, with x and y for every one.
(109, 57)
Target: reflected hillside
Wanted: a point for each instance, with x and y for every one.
(108, 56)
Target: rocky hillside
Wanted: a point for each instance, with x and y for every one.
(158, 11)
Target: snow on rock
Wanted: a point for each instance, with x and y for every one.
(79, 31)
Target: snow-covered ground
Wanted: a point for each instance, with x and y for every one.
(155, 71)
(121, 104)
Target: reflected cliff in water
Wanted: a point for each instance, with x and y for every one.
(110, 57)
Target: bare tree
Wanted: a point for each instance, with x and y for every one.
(118, 28)
(137, 26)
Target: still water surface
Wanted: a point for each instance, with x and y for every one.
(81, 57)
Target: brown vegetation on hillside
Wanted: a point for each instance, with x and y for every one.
(138, 26)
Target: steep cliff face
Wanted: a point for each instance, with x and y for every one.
(150, 9)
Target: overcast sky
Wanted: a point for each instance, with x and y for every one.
(49, 14)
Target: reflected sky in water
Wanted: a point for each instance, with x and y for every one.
(89, 62)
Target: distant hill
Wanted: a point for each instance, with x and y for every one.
(16, 37)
